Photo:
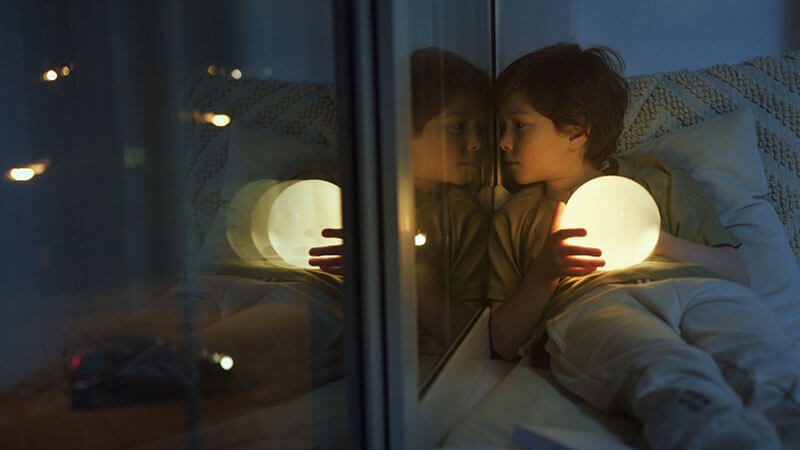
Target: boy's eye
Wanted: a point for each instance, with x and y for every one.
(521, 126)
(458, 126)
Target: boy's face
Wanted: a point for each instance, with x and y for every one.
(533, 148)
(447, 149)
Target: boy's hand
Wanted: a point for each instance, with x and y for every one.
(332, 260)
(559, 258)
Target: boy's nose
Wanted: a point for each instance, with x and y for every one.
(506, 143)
(473, 143)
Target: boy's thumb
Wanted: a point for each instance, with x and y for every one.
(557, 215)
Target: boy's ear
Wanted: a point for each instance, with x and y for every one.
(577, 136)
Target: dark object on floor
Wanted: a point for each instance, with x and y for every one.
(137, 369)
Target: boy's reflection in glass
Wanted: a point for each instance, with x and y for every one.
(448, 103)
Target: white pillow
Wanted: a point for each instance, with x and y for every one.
(722, 155)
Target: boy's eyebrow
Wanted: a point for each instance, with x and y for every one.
(518, 112)
(458, 113)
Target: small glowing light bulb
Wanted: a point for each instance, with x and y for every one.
(236, 73)
(50, 75)
(212, 70)
(65, 71)
(220, 120)
(226, 362)
(420, 239)
(21, 173)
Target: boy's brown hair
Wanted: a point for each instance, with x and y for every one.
(437, 78)
(572, 86)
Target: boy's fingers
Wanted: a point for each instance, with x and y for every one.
(579, 271)
(325, 262)
(584, 262)
(583, 251)
(333, 233)
(557, 215)
(327, 250)
(567, 233)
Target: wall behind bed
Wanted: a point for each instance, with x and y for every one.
(653, 35)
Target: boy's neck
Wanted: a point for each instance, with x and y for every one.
(569, 182)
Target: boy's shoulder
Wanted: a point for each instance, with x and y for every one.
(526, 199)
(644, 167)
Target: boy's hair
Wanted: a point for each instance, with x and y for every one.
(437, 78)
(571, 86)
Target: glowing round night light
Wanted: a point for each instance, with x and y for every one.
(226, 362)
(620, 217)
(288, 220)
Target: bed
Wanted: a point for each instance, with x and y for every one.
(736, 128)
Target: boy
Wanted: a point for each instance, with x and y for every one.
(449, 97)
(677, 341)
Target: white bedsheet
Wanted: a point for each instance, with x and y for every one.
(531, 399)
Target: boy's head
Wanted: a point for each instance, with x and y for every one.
(575, 88)
(449, 99)
(440, 78)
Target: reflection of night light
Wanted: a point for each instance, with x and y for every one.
(420, 239)
(236, 73)
(21, 174)
(28, 172)
(288, 220)
(220, 120)
(50, 75)
(65, 71)
(620, 218)
(212, 70)
(226, 362)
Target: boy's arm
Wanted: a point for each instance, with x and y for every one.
(514, 320)
(724, 260)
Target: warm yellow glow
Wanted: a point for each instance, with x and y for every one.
(21, 173)
(226, 362)
(220, 120)
(38, 168)
(288, 219)
(236, 73)
(50, 75)
(620, 217)
(212, 70)
(65, 71)
(420, 239)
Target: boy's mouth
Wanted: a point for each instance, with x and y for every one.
(511, 164)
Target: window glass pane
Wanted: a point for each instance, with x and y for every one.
(166, 168)
(450, 71)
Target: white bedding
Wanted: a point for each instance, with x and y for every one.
(530, 397)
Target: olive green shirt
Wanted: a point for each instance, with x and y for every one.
(522, 225)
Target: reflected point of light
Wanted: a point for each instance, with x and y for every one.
(21, 173)
(50, 75)
(65, 71)
(236, 73)
(226, 362)
(212, 70)
(220, 120)
(215, 357)
(420, 239)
